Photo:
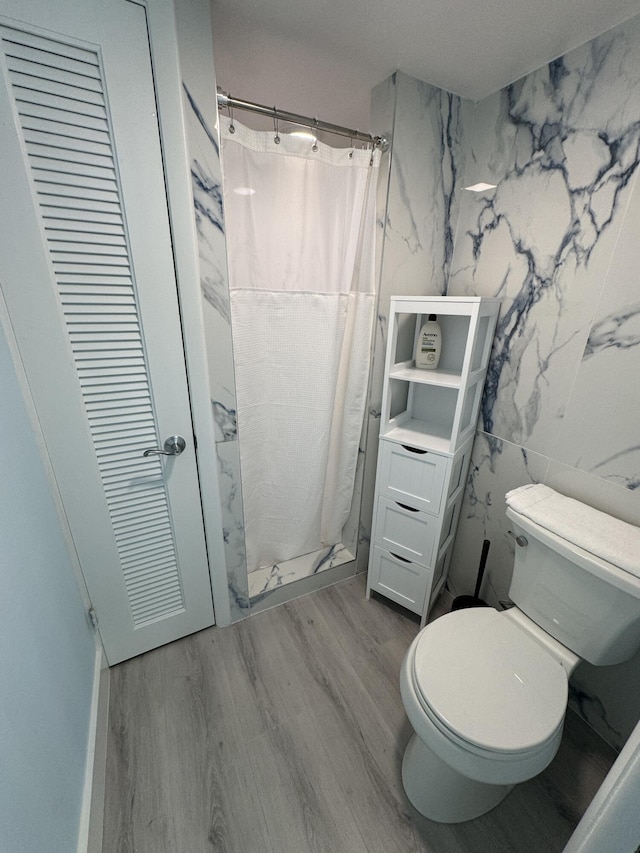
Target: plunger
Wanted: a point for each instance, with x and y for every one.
(474, 600)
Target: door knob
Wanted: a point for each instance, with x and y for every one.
(173, 446)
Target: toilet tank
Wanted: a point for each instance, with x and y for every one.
(589, 605)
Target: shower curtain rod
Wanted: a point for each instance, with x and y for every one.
(228, 102)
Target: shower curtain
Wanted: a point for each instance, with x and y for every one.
(300, 227)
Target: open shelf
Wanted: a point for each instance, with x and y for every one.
(441, 403)
(405, 370)
(419, 434)
(427, 409)
(455, 334)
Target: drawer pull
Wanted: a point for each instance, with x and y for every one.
(414, 449)
(404, 506)
(398, 557)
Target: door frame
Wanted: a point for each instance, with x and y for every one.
(167, 75)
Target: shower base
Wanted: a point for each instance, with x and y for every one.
(264, 581)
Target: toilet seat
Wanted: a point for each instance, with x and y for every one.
(487, 686)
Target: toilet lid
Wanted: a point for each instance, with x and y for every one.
(488, 682)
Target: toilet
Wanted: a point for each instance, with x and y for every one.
(486, 691)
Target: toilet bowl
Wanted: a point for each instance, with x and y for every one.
(486, 691)
(487, 705)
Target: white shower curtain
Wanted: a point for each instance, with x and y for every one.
(300, 228)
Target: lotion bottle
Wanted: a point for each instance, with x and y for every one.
(429, 344)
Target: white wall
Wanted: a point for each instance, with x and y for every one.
(47, 650)
(277, 71)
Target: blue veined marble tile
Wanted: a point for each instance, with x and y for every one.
(265, 580)
(207, 198)
(206, 178)
(591, 691)
(233, 528)
(195, 109)
(593, 710)
(213, 284)
(426, 168)
(225, 421)
(419, 211)
(562, 147)
(368, 492)
(206, 174)
(383, 110)
(206, 181)
(620, 330)
(598, 434)
(208, 210)
(557, 242)
(374, 403)
(351, 527)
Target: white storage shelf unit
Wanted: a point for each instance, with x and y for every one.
(427, 427)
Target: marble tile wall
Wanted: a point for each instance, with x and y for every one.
(416, 220)
(206, 176)
(557, 242)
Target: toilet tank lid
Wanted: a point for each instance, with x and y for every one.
(488, 682)
(607, 538)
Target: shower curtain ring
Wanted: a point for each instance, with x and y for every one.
(276, 138)
(352, 148)
(314, 147)
(232, 127)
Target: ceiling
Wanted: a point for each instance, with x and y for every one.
(467, 47)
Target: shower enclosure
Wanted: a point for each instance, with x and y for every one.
(300, 228)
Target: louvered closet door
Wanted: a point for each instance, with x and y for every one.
(86, 268)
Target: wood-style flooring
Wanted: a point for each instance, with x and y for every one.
(285, 732)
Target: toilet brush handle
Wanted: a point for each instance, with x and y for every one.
(483, 562)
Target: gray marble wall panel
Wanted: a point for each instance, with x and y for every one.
(419, 221)
(557, 242)
(206, 177)
(350, 532)
(609, 372)
(368, 492)
(417, 214)
(383, 109)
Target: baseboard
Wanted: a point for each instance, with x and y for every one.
(90, 829)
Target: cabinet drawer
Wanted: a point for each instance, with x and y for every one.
(405, 531)
(412, 476)
(402, 581)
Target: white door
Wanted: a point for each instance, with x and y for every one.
(86, 268)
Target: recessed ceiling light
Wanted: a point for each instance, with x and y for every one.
(244, 191)
(480, 188)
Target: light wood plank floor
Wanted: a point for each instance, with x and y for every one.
(285, 732)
